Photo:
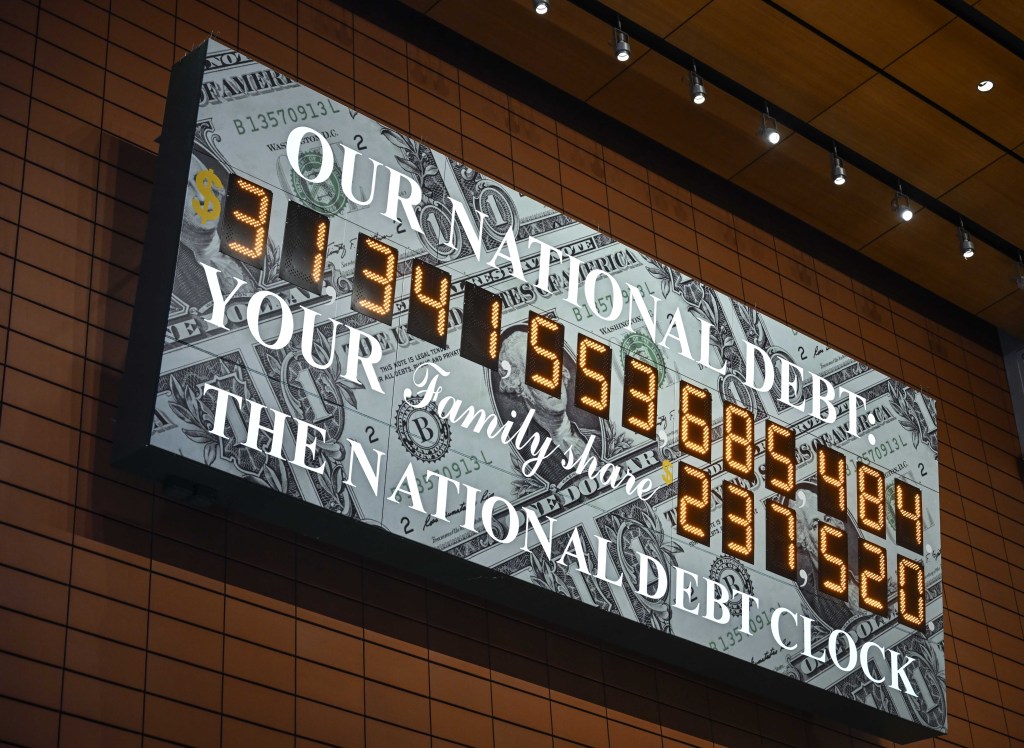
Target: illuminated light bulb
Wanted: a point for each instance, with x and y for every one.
(621, 42)
(541, 6)
(697, 91)
(901, 205)
(769, 129)
(966, 245)
(986, 86)
(838, 171)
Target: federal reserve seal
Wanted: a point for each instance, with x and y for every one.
(641, 346)
(326, 197)
(424, 434)
(731, 573)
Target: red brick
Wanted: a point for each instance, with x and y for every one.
(181, 723)
(27, 724)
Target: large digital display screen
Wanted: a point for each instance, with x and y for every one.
(337, 316)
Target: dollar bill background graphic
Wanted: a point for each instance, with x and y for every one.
(244, 131)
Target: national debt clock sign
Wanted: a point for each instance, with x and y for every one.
(344, 331)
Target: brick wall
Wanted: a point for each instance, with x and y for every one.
(126, 618)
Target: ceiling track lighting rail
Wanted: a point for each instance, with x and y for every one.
(737, 90)
(453, 48)
(980, 22)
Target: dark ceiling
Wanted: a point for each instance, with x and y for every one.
(894, 83)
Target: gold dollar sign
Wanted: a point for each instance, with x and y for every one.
(209, 209)
(666, 471)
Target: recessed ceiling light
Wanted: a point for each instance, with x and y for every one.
(986, 86)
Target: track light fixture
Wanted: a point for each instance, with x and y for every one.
(541, 6)
(621, 41)
(966, 245)
(901, 204)
(838, 172)
(769, 127)
(697, 92)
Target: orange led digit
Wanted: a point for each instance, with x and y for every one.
(909, 524)
(738, 443)
(780, 539)
(593, 376)
(737, 521)
(694, 421)
(373, 288)
(304, 247)
(870, 499)
(831, 483)
(832, 566)
(321, 251)
(544, 355)
(910, 588)
(874, 578)
(780, 460)
(693, 511)
(481, 327)
(428, 303)
(247, 213)
(640, 399)
(494, 329)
